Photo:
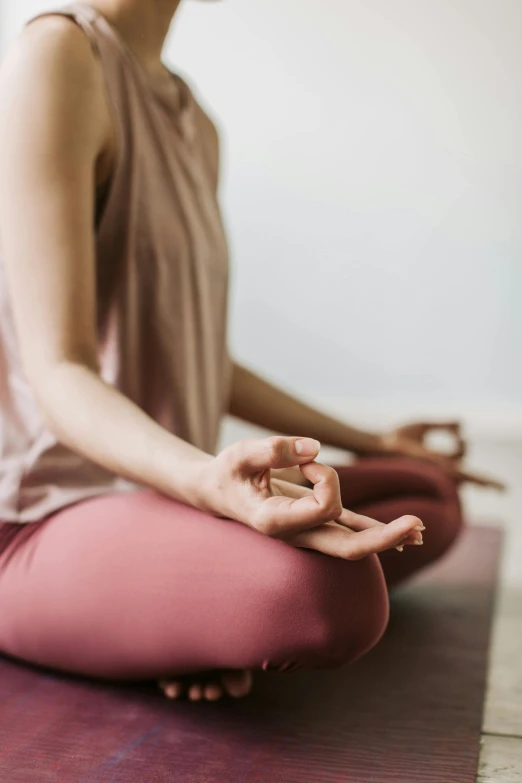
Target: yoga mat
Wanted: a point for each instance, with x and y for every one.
(409, 712)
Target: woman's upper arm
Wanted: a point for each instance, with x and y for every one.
(52, 130)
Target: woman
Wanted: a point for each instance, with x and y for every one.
(127, 549)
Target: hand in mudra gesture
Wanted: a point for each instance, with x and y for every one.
(238, 484)
(411, 440)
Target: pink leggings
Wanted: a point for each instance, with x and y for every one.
(139, 586)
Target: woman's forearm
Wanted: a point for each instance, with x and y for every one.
(259, 402)
(97, 421)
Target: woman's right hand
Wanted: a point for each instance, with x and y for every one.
(237, 484)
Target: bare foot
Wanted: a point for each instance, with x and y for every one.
(209, 687)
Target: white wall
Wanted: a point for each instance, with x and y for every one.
(373, 191)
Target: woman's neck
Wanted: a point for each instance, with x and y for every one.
(143, 24)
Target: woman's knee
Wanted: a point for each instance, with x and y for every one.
(330, 611)
(445, 518)
(443, 486)
(355, 611)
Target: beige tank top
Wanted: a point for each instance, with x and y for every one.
(162, 280)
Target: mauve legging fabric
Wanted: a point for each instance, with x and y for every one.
(139, 586)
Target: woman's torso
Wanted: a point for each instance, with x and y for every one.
(162, 287)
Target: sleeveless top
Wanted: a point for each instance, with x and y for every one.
(162, 288)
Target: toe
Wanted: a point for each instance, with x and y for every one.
(195, 692)
(174, 690)
(171, 689)
(237, 683)
(213, 692)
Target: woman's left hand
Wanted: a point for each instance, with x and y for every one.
(417, 433)
(410, 441)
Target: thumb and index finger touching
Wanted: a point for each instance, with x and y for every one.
(280, 452)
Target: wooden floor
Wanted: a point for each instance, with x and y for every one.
(501, 759)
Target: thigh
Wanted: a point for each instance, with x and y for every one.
(138, 586)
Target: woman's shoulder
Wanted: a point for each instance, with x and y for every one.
(51, 76)
(51, 52)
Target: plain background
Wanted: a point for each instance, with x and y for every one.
(373, 192)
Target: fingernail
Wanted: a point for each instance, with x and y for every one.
(418, 543)
(399, 548)
(307, 447)
(420, 528)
